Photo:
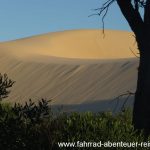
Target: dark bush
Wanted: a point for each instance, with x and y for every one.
(20, 126)
(5, 84)
(33, 126)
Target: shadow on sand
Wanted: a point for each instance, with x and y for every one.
(114, 106)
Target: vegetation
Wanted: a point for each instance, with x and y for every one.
(5, 84)
(34, 126)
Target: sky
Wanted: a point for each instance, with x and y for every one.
(24, 18)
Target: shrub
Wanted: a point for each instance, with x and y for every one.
(5, 84)
(34, 126)
(20, 126)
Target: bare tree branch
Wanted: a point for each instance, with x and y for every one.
(103, 11)
(134, 53)
(128, 94)
(130, 10)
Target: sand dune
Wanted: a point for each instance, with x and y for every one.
(72, 67)
(84, 44)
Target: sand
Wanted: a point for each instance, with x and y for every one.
(78, 69)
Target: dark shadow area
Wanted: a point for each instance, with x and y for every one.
(115, 105)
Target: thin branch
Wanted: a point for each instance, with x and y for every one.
(104, 18)
(125, 102)
(134, 53)
(102, 11)
(128, 94)
(130, 11)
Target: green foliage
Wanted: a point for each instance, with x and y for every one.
(34, 126)
(20, 125)
(103, 126)
(5, 84)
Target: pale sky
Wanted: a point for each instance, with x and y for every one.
(23, 18)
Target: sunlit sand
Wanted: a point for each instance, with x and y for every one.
(72, 67)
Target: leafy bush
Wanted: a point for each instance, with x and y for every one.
(103, 127)
(34, 126)
(5, 84)
(19, 125)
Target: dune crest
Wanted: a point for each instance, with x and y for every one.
(83, 44)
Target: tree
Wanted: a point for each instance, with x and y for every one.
(5, 84)
(140, 25)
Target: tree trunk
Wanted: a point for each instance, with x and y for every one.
(141, 110)
(141, 28)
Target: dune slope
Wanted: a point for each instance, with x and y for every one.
(82, 44)
(72, 67)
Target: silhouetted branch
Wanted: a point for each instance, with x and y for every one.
(129, 9)
(103, 10)
(134, 53)
(128, 94)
